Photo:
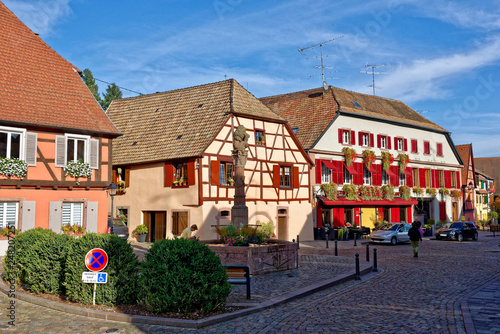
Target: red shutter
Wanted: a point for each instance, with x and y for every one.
(296, 178)
(409, 177)
(340, 172)
(215, 179)
(409, 216)
(168, 174)
(381, 212)
(447, 179)
(336, 217)
(319, 215)
(422, 177)
(191, 175)
(318, 171)
(356, 216)
(395, 143)
(442, 211)
(353, 137)
(360, 138)
(378, 141)
(375, 174)
(459, 180)
(395, 214)
(341, 132)
(427, 147)
(341, 221)
(359, 168)
(371, 140)
(405, 144)
(276, 176)
(388, 142)
(335, 172)
(414, 146)
(439, 149)
(395, 177)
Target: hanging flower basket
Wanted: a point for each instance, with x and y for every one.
(405, 192)
(78, 169)
(350, 192)
(431, 191)
(13, 167)
(456, 194)
(388, 192)
(350, 155)
(330, 190)
(403, 161)
(369, 157)
(418, 191)
(444, 191)
(387, 160)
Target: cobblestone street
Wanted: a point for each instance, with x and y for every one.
(445, 290)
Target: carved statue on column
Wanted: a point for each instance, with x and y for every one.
(239, 212)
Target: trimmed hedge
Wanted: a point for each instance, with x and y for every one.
(122, 270)
(36, 258)
(180, 275)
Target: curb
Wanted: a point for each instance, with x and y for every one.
(365, 268)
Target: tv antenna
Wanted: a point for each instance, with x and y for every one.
(320, 45)
(372, 72)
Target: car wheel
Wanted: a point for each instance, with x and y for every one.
(475, 236)
(460, 237)
(394, 241)
(438, 237)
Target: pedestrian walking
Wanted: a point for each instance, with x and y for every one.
(415, 238)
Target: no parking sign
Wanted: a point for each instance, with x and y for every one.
(96, 259)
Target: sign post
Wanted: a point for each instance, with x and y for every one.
(95, 260)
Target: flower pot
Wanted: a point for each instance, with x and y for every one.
(142, 237)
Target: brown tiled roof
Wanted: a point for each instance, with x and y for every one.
(179, 123)
(490, 166)
(465, 152)
(38, 86)
(312, 111)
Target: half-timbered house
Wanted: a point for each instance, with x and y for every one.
(175, 165)
(469, 182)
(336, 124)
(48, 121)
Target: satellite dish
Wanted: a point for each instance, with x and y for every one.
(325, 85)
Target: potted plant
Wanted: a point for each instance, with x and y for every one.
(387, 160)
(350, 155)
(330, 190)
(142, 231)
(231, 181)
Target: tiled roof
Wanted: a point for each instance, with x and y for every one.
(38, 86)
(312, 111)
(179, 123)
(490, 166)
(464, 151)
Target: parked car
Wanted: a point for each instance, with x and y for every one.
(118, 228)
(458, 231)
(391, 233)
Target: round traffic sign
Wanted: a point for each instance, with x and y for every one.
(96, 259)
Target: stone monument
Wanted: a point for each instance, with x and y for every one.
(239, 211)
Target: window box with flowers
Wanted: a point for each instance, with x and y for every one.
(403, 161)
(388, 192)
(456, 194)
(444, 192)
(387, 160)
(330, 190)
(418, 191)
(369, 158)
(13, 167)
(121, 188)
(431, 191)
(405, 192)
(72, 230)
(351, 192)
(365, 192)
(350, 155)
(8, 233)
(77, 169)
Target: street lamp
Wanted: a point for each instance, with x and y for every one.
(112, 192)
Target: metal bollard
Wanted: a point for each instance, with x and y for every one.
(375, 260)
(336, 251)
(355, 238)
(327, 236)
(357, 277)
(367, 252)
(298, 247)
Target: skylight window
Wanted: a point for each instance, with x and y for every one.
(134, 143)
(200, 105)
(295, 130)
(356, 104)
(179, 137)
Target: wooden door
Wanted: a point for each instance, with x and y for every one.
(147, 221)
(282, 228)
(160, 225)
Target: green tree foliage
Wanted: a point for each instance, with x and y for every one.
(180, 275)
(122, 271)
(112, 92)
(89, 80)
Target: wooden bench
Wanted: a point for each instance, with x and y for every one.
(239, 275)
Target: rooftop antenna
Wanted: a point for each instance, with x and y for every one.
(320, 45)
(372, 72)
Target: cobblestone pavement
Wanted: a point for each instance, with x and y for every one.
(445, 290)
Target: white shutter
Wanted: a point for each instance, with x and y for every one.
(94, 154)
(60, 151)
(9, 214)
(31, 139)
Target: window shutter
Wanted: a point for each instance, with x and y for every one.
(276, 176)
(60, 151)
(215, 166)
(353, 137)
(94, 154)
(409, 177)
(359, 169)
(340, 172)
(335, 173)
(414, 146)
(459, 180)
(395, 143)
(442, 211)
(169, 174)
(421, 172)
(191, 173)
(31, 138)
(127, 177)
(114, 178)
(395, 178)
(427, 147)
(296, 178)
(405, 144)
(394, 214)
(360, 138)
(372, 140)
(388, 142)
(447, 179)
(357, 216)
(375, 175)
(341, 132)
(379, 141)
(318, 171)
(439, 149)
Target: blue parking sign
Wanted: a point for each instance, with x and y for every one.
(102, 277)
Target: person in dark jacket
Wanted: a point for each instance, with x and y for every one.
(415, 238)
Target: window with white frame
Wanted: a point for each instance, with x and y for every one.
(72, 147)
(385, 178)
(72, 213)
(346, 138)
(9, 214)
(367, 176)
(326, 174)
(399, 142)
(402, 179)
(383, 142)
(347, 176)
(16, 143)
(365, 139)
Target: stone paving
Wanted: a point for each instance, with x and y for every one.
(451, 288)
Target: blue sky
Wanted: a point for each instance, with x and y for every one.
(445, 55)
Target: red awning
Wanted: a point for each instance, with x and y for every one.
(408, 172)
(329, 164)
(372, 168)
(341, 202)
(389, 172)
(351, 169)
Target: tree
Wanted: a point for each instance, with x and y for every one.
(89, 80)
(112, 92)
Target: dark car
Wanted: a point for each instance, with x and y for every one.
(458, 231)
(118, 228)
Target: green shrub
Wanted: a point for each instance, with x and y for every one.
(122, 270)
(36, 258)
(267, 229)
(180, 275)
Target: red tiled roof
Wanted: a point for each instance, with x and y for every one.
(465, 152)
(490, 166)
(313, 110)
(179, 123)
(39, 87)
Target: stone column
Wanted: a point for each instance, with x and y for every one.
(239, 211)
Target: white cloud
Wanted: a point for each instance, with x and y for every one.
(41, 15)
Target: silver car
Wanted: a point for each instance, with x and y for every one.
(391, 233)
